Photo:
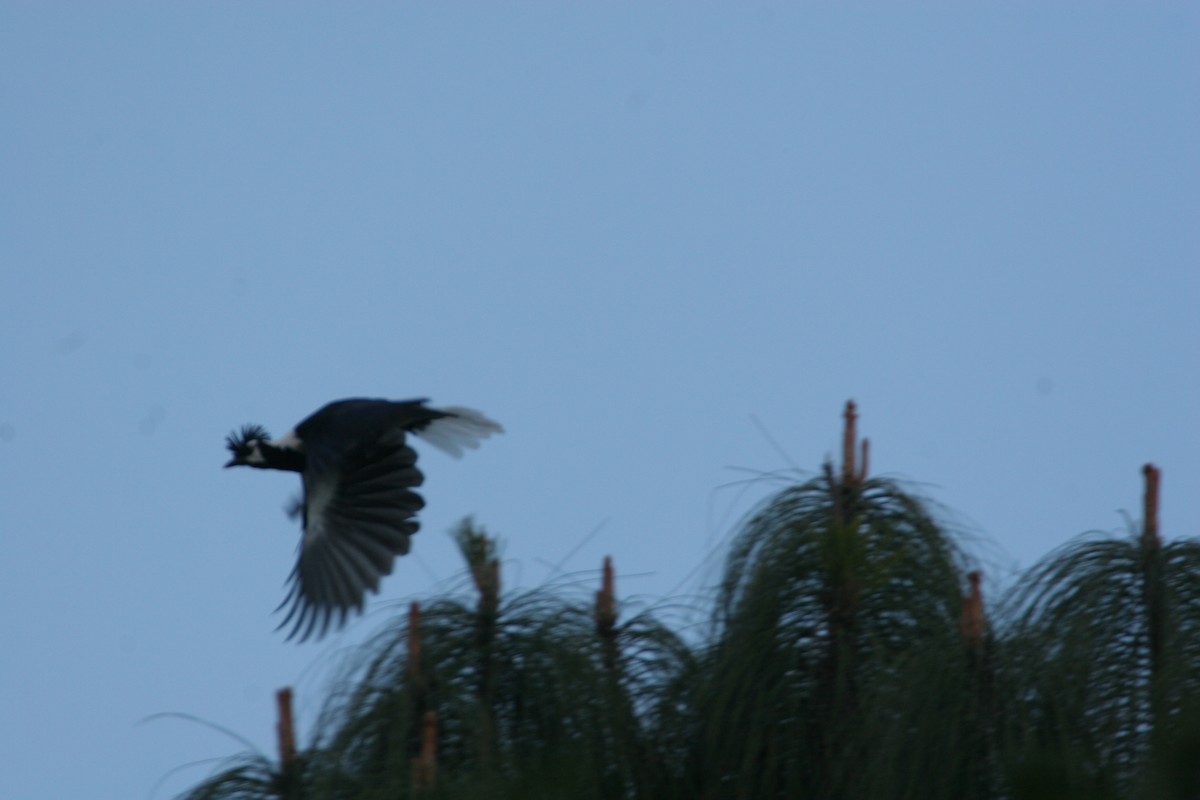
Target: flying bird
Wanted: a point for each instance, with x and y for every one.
(359, 505)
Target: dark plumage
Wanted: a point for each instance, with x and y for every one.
(359, 508)
(241, 442)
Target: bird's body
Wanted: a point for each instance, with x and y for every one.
(359, 506)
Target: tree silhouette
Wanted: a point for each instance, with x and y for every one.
(1104, 649)
(833, 587)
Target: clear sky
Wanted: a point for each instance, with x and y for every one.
(662, 244)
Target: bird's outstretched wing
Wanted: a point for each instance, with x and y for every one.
(358, 516)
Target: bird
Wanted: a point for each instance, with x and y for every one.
(359, 505)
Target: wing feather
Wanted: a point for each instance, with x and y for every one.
(358, 516)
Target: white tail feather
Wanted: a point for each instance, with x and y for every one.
(464, 428)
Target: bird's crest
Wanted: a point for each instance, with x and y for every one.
(239, 442)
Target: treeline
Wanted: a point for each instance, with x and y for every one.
(850, 656)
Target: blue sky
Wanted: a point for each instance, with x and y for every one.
(662, 244)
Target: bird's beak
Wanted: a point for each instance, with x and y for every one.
(233, 462)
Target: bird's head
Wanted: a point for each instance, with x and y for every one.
(246, 446)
